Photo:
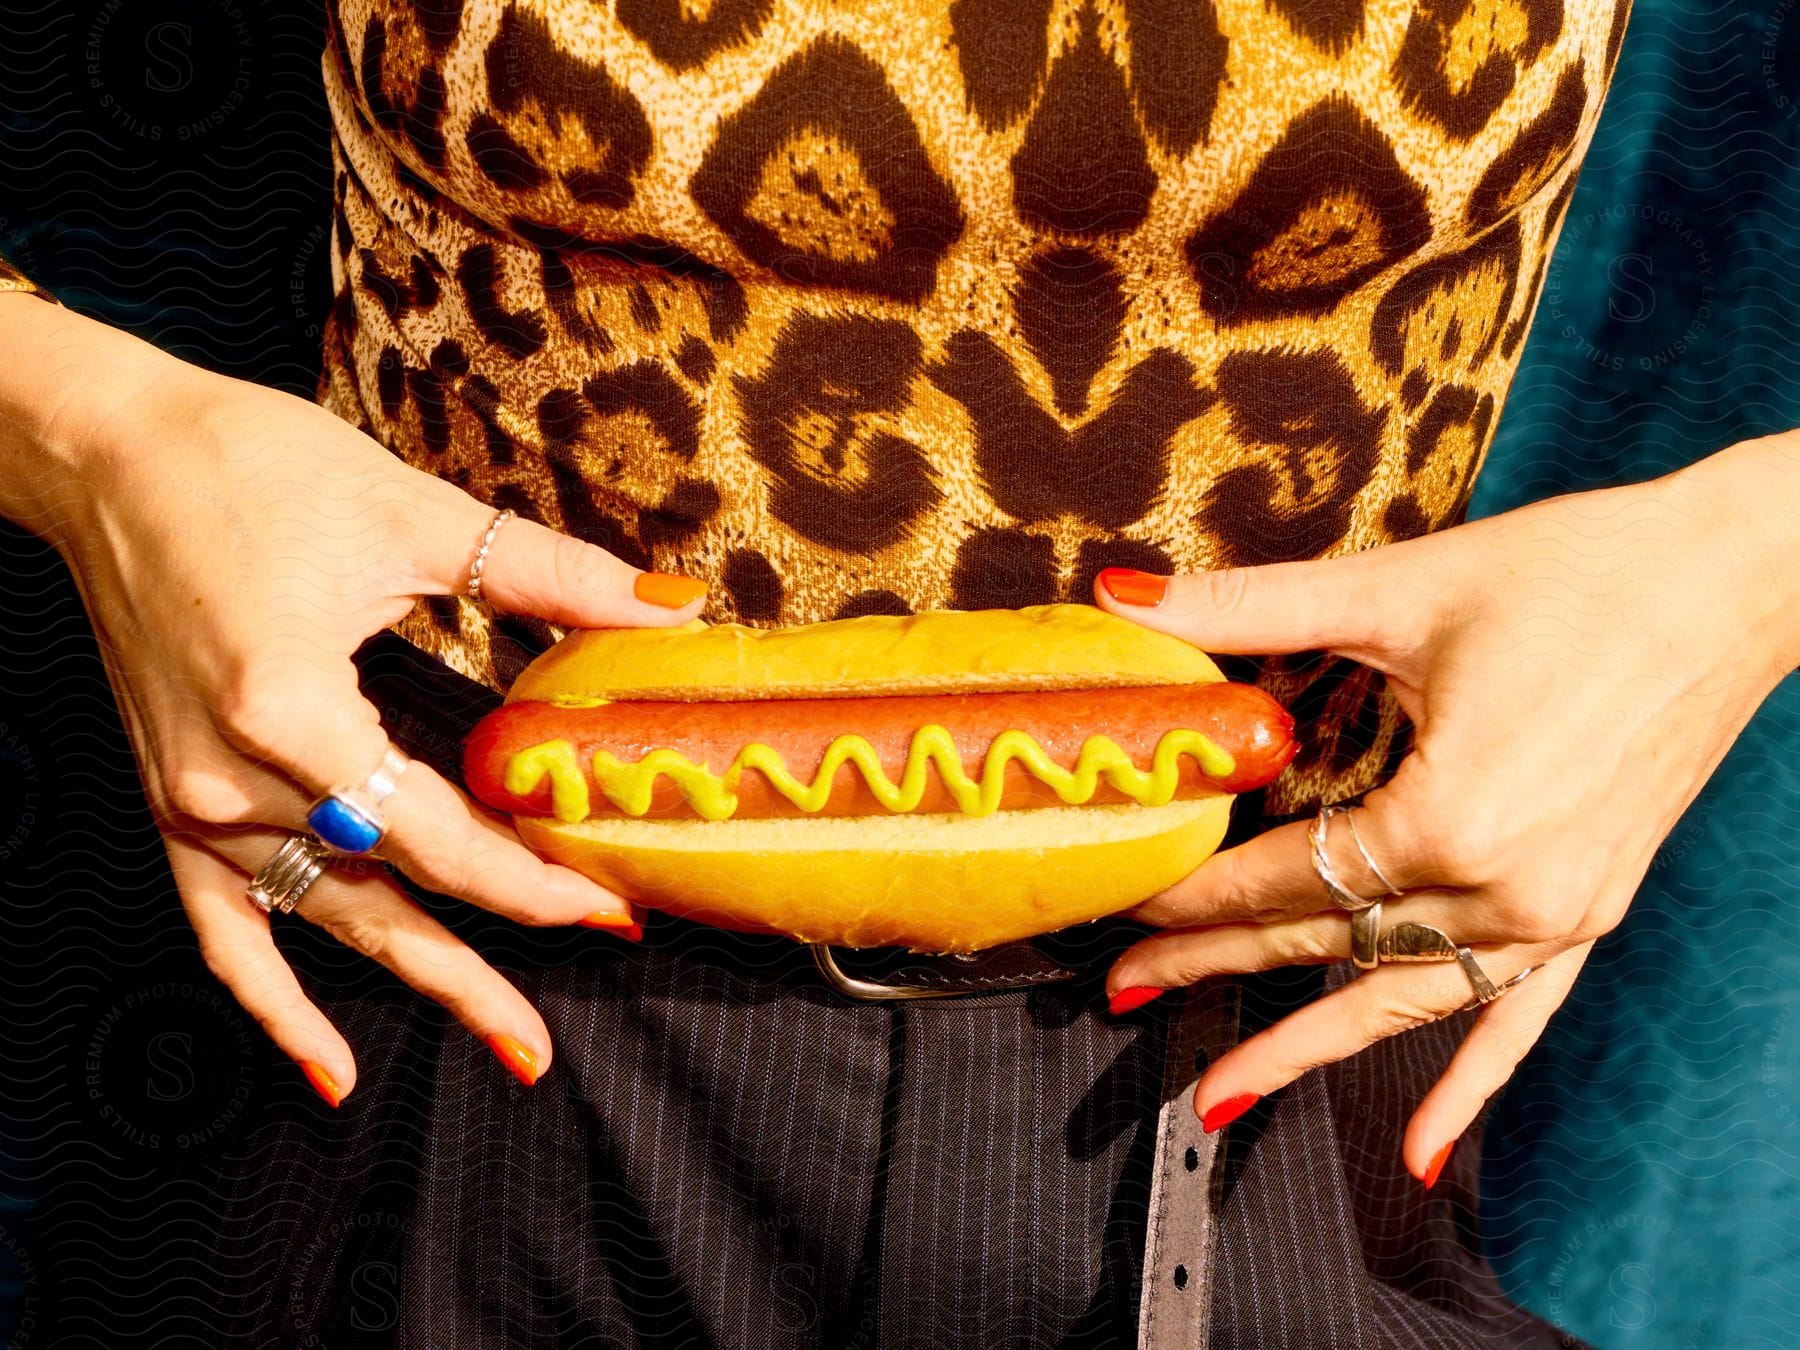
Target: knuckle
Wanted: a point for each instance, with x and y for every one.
(1587, 929)
(578, 568)
(218, 960)
(1598, 920)
(529, 913)
(1535, 923)
(1223, 593)
(1471, 853)
(1403, 1012)
(1171, 961)
(257, 714)
(361, 932)
(202, 794)
(438, 868)
(1317, 943)
(1186, 970)
(1512, 1043)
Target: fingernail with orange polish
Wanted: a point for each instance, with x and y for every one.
(620, 925)
(1221, 1114)
(666, 589)
(1435, 1167)
(1135, 997)
(1131, 587)
(322, 1083)
(520, 1062)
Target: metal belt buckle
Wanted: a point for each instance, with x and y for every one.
(872, 991)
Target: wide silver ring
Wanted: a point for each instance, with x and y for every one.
(1365, 937)
(1421, 942)
(1341, 895)
(289, 873)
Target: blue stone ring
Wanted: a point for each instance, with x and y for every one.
(349, 820)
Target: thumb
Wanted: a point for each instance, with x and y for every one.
(531, 569)
(1352, 605)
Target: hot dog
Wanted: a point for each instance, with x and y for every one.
(945, 781)
(799, 735)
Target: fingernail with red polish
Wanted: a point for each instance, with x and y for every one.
(520, 1062)
(1135, 997)
(322, 1082)
(1435, 1167)
(666, 589)
(620, 925)
(1221, 1114)
(1131, 587)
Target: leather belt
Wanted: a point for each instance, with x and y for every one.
(1175, 1295)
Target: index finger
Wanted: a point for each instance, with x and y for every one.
(1272, 874)
(325, 736)
(436, 837)
(532, 569)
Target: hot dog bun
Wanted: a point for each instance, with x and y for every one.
(931, 883)
(942, 651)
(932, 880)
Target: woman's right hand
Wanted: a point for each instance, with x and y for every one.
(233, 546)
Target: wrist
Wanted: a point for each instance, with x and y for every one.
(67, 385)
(1744, 503)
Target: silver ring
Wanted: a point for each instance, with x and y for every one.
(1365, 936)
(288, 874)
(1341, 895)
(1486, 991)
(1368, 862)
(386, 777)
(487, 541)
(349, 820)
(1421, 942)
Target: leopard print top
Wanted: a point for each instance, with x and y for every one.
(856, 307)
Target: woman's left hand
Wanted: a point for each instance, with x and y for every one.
(1574, 671)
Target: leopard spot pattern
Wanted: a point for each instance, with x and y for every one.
(852, 313)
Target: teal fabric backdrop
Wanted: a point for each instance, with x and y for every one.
(1643, 1174)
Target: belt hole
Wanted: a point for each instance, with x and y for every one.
(1192, 1159)
(1181, 1277)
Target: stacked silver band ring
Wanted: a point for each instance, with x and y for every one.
(349, 820)
(280, 883)
(1341, 895)
(1362, 852)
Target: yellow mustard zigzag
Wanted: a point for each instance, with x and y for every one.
(628, 785)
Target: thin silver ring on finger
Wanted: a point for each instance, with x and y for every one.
(289, 873)
(1362, 850)
(1341, 895)
(1479, 981)
(349, 820)
(477, 567)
